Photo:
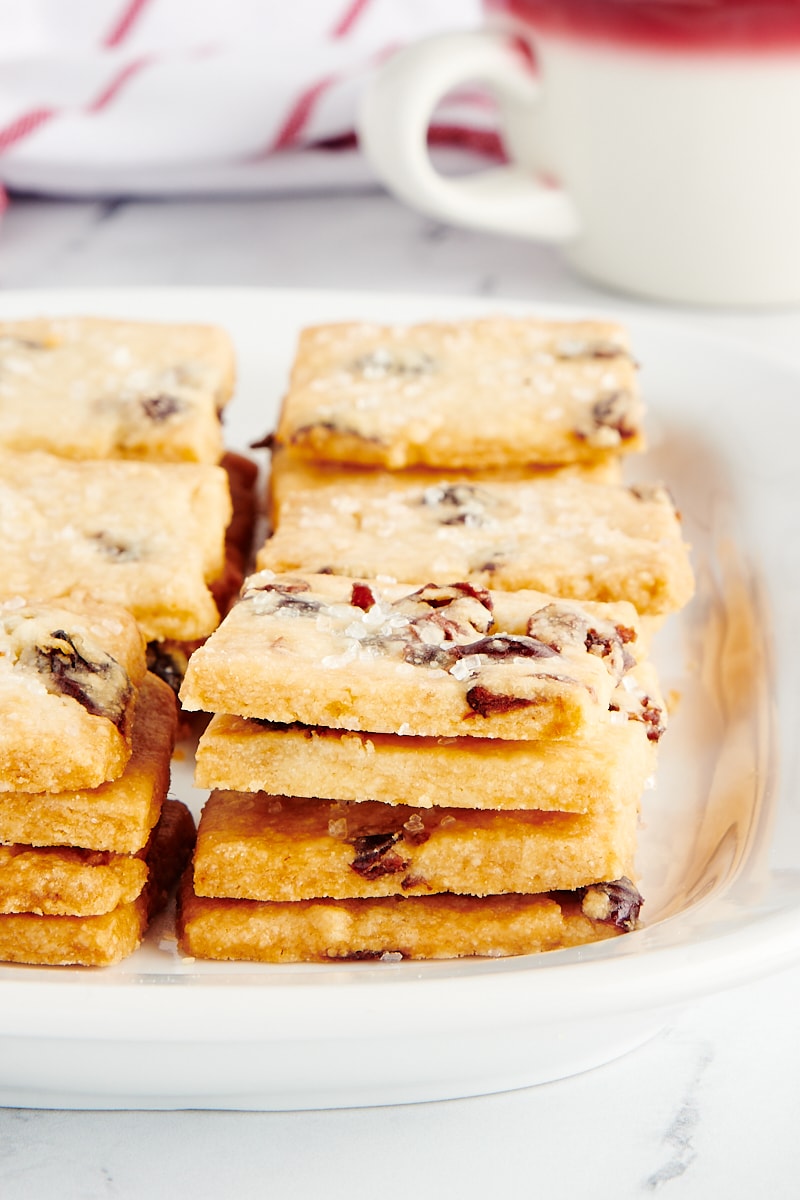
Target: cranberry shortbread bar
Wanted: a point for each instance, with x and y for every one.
(86, 387)
(566, 535)
(432, 661)
(491, 392)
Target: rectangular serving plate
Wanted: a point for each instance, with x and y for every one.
(720, 852)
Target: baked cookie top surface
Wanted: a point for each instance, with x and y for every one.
(86, 387)
(578, 775)
(556, 533)
(439, 660)
(149, 536)
(481, 393)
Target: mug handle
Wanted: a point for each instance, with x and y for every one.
(396, 110)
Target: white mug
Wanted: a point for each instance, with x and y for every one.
(664, 158)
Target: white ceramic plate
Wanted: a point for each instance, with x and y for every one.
(720, 844)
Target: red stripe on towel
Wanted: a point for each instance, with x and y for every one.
(301, 111)
(348, 18)
(300, 114)
(116, 85)
(24, 125)
(125, 22)
(27, 123)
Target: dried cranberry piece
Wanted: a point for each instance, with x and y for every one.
(422, 654)
(414, 881)
(465, 503)
(161, 407)
(306, 433)
(376, 856)
(643, 709)
(653, 717)
(616, 903)
(605, 644)
(477, 592)
(362, 596)
(486, 703)
(285, 589)
(503, 646)
(113, 548)
(438, 597)
(287, 595)
(557, 627)
(100, 685)
(612, 412)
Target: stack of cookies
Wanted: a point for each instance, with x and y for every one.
(113, 474)
(89, 844)
(113, 487)
(435, 715)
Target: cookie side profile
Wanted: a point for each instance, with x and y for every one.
(397, 927)
(262, 847)
(102, 940)
(116, 816)
(67, 881)
(247, 755)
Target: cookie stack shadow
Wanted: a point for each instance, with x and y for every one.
(434, 710)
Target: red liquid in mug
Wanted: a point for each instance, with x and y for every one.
(736, 26)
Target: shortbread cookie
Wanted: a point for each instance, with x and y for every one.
(102, 940)
(479, 393)
(116, 816)
(562, 535)
(437, 661)
(397, 927)
(255, 846)
(83, 387)
(606, 770)
(69, 673)
(291, 473)
(149, 536)
(67, 881)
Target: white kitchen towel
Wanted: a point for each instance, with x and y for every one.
(135, 97)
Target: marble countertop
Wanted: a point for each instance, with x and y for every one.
(707, 1108)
